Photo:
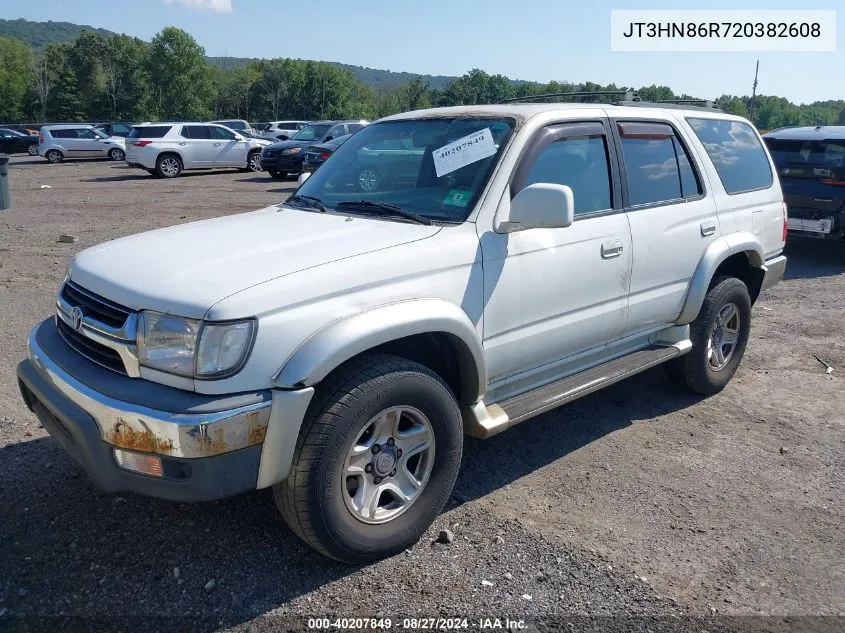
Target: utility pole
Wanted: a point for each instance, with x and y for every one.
(753, 93)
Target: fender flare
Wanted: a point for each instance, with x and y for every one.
(349, 336)
(717, 252)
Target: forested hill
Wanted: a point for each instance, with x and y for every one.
(41, 34)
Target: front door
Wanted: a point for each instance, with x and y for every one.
(228, 151)
(554, 293)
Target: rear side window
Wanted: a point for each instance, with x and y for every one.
(63, 133)
(736, 152)
(578, 160)
(196, 132)
(149, 131)
(657, 165)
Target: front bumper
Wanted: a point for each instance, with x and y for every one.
(775, 269)
(283, 163)
(210, 446)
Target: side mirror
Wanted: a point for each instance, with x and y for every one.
(327, 139)
(238, 137)
(302, 178)
(539, 206)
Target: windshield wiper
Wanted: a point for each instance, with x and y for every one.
(311, 201)
(391, 209)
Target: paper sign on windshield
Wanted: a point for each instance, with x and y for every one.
(465, 151)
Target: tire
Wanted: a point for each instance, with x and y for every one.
(369, 179)
(278, 175)
(32, 149)
(317, 500)
(253, 161)
(713, 361)
(168, 166)
(54, 156)
(117, 154)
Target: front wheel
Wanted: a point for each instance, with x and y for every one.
(32, 149)
(369, 179)
(117, 154)
(719, 337)
(274, 173)
(253, 161)
(376, 460)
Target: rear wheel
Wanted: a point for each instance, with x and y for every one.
(54, 156)
(369, 179)
(168, 166)
(376, 460)
(32, 149)
(719, 336)
(117, 154)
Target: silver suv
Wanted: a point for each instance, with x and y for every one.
(57, 142)
(165, 149)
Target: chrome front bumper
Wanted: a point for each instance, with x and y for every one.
(140, 428)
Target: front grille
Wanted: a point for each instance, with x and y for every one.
(95, 306)
(268, 153)
(90, 349)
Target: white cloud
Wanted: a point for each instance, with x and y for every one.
(218, 6)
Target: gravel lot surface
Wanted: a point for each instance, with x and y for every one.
(637, 500)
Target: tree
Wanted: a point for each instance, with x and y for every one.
(15, 68)
(180, 76)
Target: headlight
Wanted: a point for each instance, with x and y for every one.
(191, 348)
(291, 150)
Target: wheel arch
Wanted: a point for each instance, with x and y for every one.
(434, 332)
(739, 255)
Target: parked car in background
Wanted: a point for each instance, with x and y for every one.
(238, 125)
(281, 130)
(116, 128)
(166, 149)
(29, 130)
(285, 157)
(14, 142)
(811, 165)
(316, 155)
(72, 140)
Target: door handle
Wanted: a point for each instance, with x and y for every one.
(181, 143)
(708, 228)
(611, 248)
(216, 144)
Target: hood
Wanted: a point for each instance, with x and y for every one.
(289, 143)
(186, 269)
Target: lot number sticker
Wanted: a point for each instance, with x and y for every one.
(465, 151)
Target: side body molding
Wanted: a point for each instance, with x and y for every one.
(717, 252)
(347, 337)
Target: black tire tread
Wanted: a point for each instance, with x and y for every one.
(328, 406)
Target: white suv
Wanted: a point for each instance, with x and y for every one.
(338, 346)
(73, 140)
(165, 149)
(281, 130)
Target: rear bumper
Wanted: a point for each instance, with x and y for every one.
(775, 269)
(206, 452)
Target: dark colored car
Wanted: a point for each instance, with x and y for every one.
(115, 129)
(316, 155)
(286, 157)
(811, 166)
(14, 142)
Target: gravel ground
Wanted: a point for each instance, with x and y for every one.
(636, 501)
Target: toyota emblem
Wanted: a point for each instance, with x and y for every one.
(76, 318)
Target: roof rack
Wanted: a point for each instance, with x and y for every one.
(630, 98)
(629, 95)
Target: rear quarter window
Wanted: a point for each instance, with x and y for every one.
(149, 131)
(736, 153)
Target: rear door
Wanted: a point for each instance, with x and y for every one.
(672, 219)
(812, 176)
(198, 149)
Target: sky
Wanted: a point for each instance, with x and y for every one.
(537, 40)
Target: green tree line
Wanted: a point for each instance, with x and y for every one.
(121, 78)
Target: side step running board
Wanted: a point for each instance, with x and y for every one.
(485, 421)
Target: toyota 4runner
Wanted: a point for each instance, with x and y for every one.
(337, 347)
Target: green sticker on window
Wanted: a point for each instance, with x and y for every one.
(457, 198)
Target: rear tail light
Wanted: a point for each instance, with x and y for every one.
(834, 182)
(141, 143)
(785, 222)
(325, 155)
(40, 140)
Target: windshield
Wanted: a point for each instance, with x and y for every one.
(310, 133)
(435, 168)
(807, 158)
